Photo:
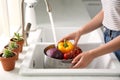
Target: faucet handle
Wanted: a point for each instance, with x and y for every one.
(27, 33)
(27, 29)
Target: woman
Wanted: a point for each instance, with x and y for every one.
(109, 17)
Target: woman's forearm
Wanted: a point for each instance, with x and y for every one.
(111, 46)
(93, 24)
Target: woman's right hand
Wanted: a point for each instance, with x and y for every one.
(72, 36)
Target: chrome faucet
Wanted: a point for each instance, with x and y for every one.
(22, 20)
(25, 33)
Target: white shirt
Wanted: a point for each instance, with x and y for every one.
(111, 10)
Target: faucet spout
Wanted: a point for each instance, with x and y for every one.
(48, 7)
(22, 15)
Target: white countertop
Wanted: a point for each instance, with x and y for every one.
(60, 20)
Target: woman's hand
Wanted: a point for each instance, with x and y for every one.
(82, 60)
(72, 36)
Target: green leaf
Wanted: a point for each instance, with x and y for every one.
(7, 53)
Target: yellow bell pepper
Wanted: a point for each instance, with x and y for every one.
(65, 46)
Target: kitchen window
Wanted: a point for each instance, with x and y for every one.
(10, 19)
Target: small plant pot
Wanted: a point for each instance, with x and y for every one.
(8, 63)
(20, 43)
(16, 50)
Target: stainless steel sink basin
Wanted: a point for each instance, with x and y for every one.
(33, 63)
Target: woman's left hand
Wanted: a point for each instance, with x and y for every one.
(82, 60)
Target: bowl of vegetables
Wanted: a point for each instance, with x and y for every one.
(60, 56)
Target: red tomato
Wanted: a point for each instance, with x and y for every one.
(72, 54)
(68, 55)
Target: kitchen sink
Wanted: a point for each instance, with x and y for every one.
(34, 63)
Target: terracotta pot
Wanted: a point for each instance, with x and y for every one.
(20, 43)
(16, 50)
(8, 63)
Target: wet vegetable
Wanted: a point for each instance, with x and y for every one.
(54, 53)
(65, 46)
(72, 54)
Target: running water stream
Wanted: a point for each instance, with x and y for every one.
(53, 27)
(51, 20)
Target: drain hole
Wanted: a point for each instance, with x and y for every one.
(33, 63)
(41, 40)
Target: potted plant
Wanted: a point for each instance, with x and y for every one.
(19, 40)
(8, 59)
(14, 47)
